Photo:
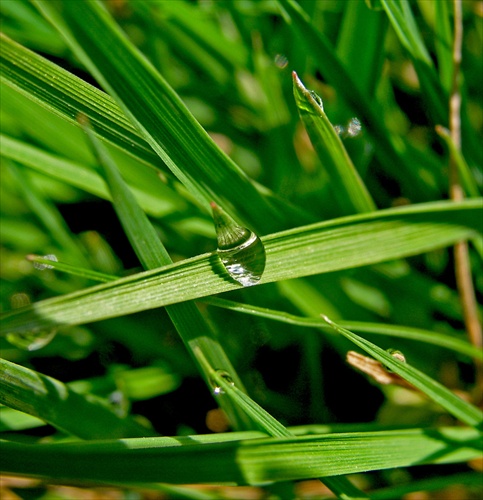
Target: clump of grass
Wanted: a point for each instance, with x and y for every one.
(347, 359)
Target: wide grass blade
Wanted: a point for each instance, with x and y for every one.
(329, 246)
(160, 115)
(66, 95)
(87, 417)
(226, 458)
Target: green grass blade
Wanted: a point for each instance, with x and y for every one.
(466, 175)
(459, 408)
(403, 22)
(459, 345)
(70, 269)
(48, 215)
(159, 114)
(349, 191)
(196, 334)
(224, 458)
(158, 202)
(66, 95)
(329, 246)
(87, 417)
(390, 148)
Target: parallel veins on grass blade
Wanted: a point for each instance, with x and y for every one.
(241, 250)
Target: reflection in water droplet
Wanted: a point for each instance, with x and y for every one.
(397, 354)
(33, 340)
(354, 127)
(217, 389)
(41, 266)
(281, 61)
(317, 99)
(240, 250)
(339, 129)
(18, 300)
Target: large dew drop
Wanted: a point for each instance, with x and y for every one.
(241, 250)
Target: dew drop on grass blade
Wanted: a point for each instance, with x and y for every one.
(241, 250)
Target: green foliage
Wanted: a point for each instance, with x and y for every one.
(321, 126)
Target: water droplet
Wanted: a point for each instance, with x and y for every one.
(217, 388)
(317, 99)
(354, 127)
(281, 61)
(32, 340)
(339, 129)
(42, 266)
(240, 250)
(397, 354)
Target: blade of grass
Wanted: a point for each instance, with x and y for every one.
(225, 458)
(87, 417)
(160, 115)
(47, 214)
(187, 319)
(349, 191)
(157, 203)
(389, 147)
(66, 95)
(329, 246)
(448, 341)
(460, 409)
(224, 384)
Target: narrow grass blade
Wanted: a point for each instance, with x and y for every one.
(228, 458)
(46, 263)
(48, 215)
(460, 345)
(460, 409)
(49, 399)
(348, 190)
(318, 248)
(157, 202)
(190, 324)
(467, 179)
(224, 384)
(390, 148)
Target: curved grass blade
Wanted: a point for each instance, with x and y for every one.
(460, 409)
(66, 95)
(160, 115)
(390, 148)
(229, 458)
(87, 417)
(329, 246)
(460, 345)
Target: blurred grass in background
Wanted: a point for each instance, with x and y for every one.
(276, 157)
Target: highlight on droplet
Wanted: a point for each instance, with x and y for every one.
(241, 251)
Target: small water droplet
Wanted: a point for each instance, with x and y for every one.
(281, 61)
(32, 340)
(354, 127)
(42, 266)
(240, 250)
(217, 388)
(397, 354)
(339, 129)
(317, 99)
